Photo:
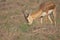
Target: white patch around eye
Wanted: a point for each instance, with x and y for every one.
(44, 13)
(30, 20)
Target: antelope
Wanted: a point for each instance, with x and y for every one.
(45, 10)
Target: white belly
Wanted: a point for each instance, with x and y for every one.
(44, 13)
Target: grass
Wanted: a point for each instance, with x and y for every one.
(52, 37)
(58, 20)
(14, 27)
(24, 27)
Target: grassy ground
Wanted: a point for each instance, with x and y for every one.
(13, 25)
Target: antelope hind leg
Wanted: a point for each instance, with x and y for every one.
(51, 20)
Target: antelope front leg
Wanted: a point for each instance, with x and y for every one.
(46, 16)
(54, 14)
(41, 20)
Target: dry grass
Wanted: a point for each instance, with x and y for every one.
(13, 25)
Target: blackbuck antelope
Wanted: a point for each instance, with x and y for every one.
(45, 10)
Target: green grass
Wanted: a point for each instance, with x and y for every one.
(52, 37)
(58, 20)
(24, 27)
